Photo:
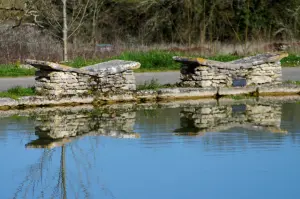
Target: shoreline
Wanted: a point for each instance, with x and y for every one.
(283, 92)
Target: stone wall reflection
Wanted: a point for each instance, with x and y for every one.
(54, 128)
(198, 120)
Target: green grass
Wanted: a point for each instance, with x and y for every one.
(157, 60)
(18, 92)
(292, 82)
(291, 61)
(12, 70)
(151, 61)
(154, 60)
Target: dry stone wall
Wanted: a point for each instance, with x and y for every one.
(264, 69)
(58, 81)
(65, 84)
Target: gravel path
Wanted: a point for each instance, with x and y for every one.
(162, 77)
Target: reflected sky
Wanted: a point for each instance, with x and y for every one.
(198, 162)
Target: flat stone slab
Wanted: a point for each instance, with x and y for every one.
(280, 90)
(146, 95)
(5, 101)
(112, 67)
(236, 91)
(100, 70)
(173, 93)
(247, 62)
(39, 101)
(153, 95)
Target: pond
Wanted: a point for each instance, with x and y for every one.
(196, 150)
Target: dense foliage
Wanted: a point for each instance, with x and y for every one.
(34, 28)
(176, 21)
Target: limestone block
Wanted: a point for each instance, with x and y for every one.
(207, 77)
(204, 72)
(196, 78)
(105, 90)
(205, 83)
(220, 77)
(205, 110)
(259, 80)
(188, 83)
(130, 87)
(8, 102)
(202, 68)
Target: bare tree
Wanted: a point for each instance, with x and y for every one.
(63, 20)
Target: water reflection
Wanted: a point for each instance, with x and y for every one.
(58, 132)
(75, 153)
(199, 120)
(58, 127)
(54, 176)
(234, 127)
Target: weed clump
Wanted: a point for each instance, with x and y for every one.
(18, 92)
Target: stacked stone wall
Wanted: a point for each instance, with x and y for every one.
(66, 84)
(209, 76)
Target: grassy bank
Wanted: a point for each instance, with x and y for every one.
(151, 61)
(292, 82)
(18, 92)
(291, 61)
(13, 70)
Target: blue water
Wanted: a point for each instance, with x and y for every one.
(233, 163)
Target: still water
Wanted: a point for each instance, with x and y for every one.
(196, 151)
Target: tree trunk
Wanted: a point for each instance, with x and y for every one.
(95, 16)
(65, 30)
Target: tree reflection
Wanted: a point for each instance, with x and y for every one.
(58, 137)
(45, 179)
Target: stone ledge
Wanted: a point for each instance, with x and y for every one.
(182, 93)
(203, 102)
(146, 95)
(236, 91)
(280, 92)
(38, 101)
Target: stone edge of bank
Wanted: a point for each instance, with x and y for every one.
(165, 94)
